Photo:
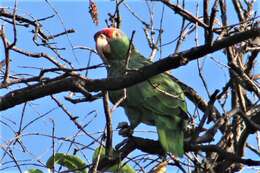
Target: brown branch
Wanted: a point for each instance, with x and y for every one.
(192, 95)
(184, 32)
(21, 19)
(171, 62)
(251, 127)
(211, 21)
(109, 130)
(184, 13)
(60, 34)
(210, 133)
(135, 15)
(73, 118)
(44, 55)
(206, 17)
(38, 55)
(253, 123)
(224, 154)
(239, 10)
(20, 80)
(246, 82)
(206, 115)
(61, 83)
(80, 100)
(223, 9)
(7, 55)
(36, 91)
(154, 147)
(14, 26)
(251, 61)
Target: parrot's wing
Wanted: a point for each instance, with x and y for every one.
(160, 94)
(167, 94)
(160, 101)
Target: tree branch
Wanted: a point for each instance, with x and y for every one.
(173, 61)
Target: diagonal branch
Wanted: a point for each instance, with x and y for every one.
(154, 147)
(62, 83)
(184, 13)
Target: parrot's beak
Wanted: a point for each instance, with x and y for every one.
(102, 46)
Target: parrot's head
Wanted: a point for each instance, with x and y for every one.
(111, 45)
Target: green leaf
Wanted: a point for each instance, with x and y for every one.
(33, 170)
(117, 168)
(69, 161)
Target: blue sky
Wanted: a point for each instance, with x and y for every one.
(74, 14)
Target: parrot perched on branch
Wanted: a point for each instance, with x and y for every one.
(158, 101)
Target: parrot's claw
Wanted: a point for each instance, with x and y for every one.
(124, 129)
(122, 125)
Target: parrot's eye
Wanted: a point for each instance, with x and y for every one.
(102, 36)
(116, 34)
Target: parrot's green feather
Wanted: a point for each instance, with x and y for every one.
(158, 101)
(170, 135)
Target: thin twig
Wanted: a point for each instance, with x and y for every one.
(73, 118)
(129, 51)
(109, 130)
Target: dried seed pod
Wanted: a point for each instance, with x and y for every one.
(93, 12)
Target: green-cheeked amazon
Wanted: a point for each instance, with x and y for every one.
(158, 101)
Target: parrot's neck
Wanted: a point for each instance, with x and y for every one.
(116, 68)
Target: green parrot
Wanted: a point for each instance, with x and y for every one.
(158, 101)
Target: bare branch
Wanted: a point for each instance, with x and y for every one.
(173, 61)
(109, 130)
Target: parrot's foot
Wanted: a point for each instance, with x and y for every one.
(124, 129)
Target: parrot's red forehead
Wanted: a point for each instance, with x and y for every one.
(106, 31)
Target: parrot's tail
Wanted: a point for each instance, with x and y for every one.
(171, 136)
